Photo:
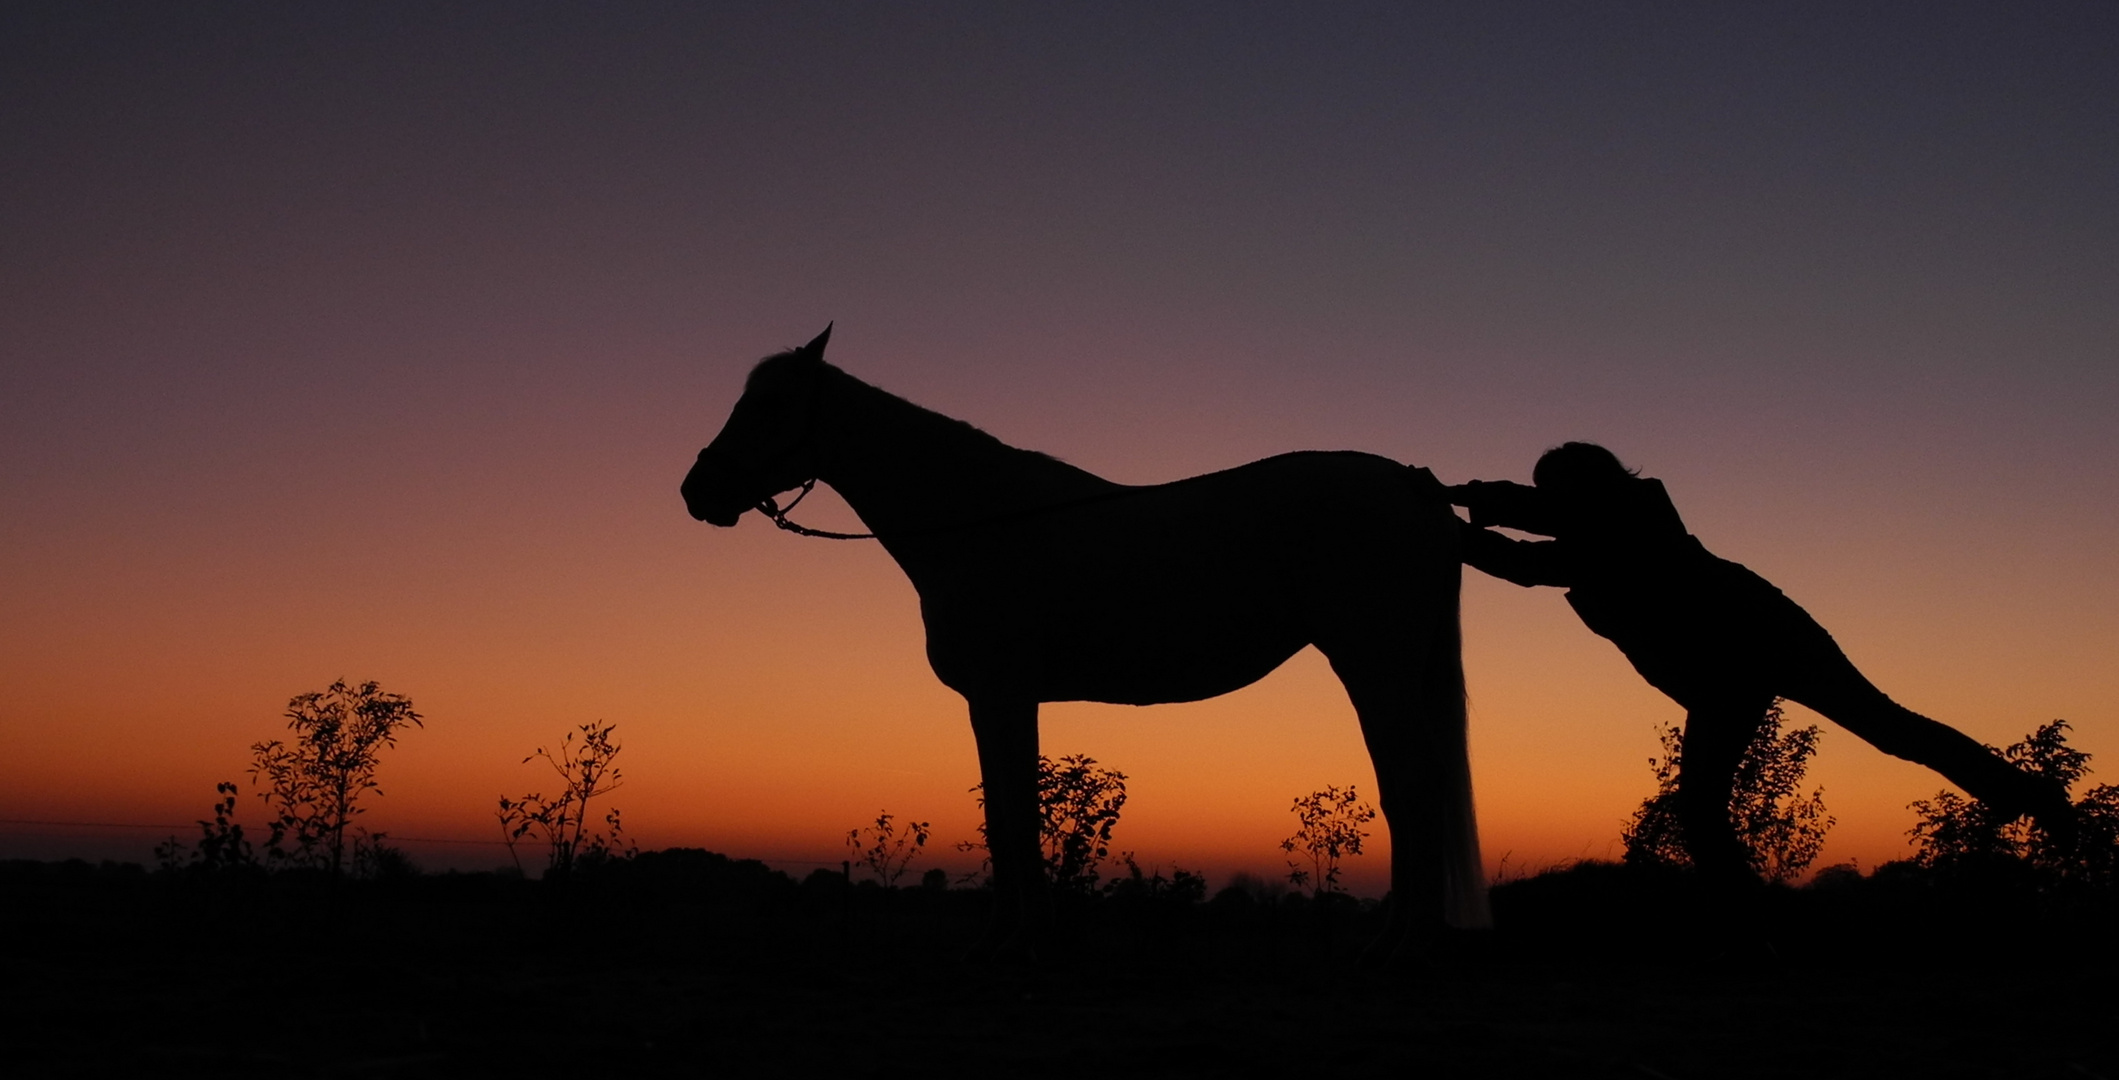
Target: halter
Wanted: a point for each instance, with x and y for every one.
(778, 514)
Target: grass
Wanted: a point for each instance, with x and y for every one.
(686, 963)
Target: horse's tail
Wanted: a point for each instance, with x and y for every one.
(1463, 875)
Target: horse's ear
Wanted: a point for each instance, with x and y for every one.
(815, 349)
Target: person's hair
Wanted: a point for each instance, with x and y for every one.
(1579, 464)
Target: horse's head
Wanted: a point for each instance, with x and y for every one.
(769, 443)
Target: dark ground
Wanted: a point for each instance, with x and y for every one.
(685, 963)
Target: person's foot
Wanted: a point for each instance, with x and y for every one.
(2016, 793)
(2053, 812)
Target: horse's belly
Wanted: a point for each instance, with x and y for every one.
(1154, 665)
(1119, 667)
(1136, 639)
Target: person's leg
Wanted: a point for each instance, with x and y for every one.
(1830, 684)
(1716, 732)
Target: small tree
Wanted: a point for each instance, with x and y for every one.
(1078, 804)
(313, 785)
(1782, 832)
(884, 850)
(221, 845)
(1954, 833)
(585, 772)
(1330, 829)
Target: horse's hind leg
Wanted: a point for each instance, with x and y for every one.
(1007, 738)
(1409, 746)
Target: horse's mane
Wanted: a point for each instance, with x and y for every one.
(970, 446)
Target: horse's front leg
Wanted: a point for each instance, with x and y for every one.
(1007, 737)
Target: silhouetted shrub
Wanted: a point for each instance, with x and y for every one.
(883, 850)
(1261, 890)
(825, 883)
(380, 862)
(1182, 887)
(1781, 831)
(1330, 829)
(1078, 805)
(585, 772)
(221, 846)
(313, 785)
(1957, 836)
(694, 874)
(1837, 876)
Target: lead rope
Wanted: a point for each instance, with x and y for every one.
(778, 514)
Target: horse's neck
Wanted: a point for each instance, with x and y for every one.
(906, 469)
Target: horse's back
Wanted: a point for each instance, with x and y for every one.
(1188, 589)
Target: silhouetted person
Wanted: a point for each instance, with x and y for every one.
(1717, 638)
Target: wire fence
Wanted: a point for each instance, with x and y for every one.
(392, 837)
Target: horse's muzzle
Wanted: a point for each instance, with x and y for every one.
(702, 509)
(700, 501)
(721, 518)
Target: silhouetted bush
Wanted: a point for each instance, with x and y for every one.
(382, 862)
(695, 874)
(824, 890)
(1261, 890)
(1781, 831)
(1182, 887)
(1078, 805)
(884, 851)
(312, 788)
(1836, 876)
(585, 772)
(313, 785)
(1330, 829)
(1965, 837)
(221, 847)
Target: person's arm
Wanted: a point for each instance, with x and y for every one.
(1524, 562)
(1504, 503)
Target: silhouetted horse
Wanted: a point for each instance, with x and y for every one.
(1041, 582)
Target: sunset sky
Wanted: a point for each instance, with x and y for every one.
(372, 341)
